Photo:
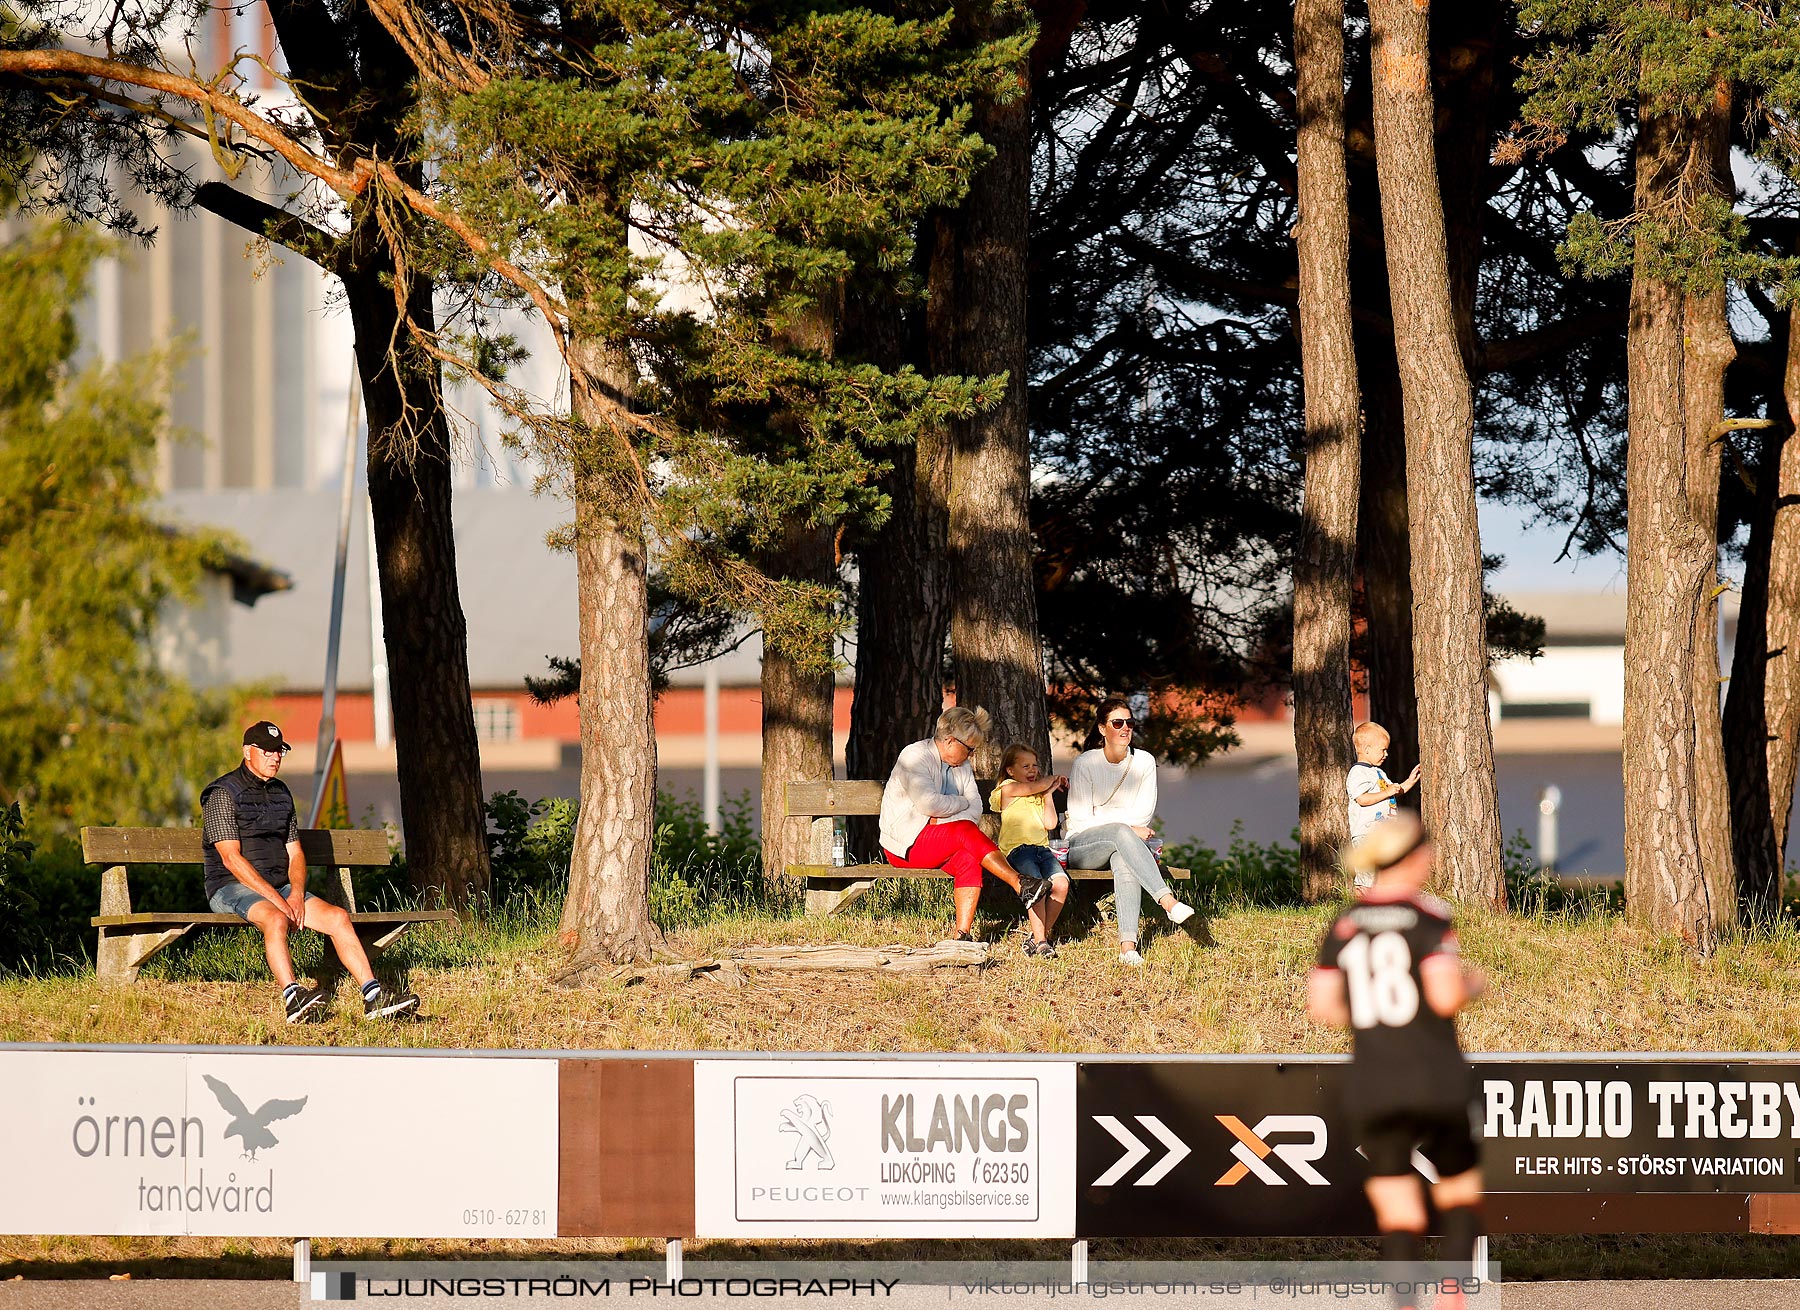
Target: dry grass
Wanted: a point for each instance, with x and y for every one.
(1586, 984)
(1579, 984)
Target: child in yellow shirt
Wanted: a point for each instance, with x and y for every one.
(1026, 804)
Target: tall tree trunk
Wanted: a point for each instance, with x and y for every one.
(1449, 636)
(1324, 564)
(1709, 351)
(902, 596)
(368, 97)
(607, 914)
(1745, 729)
(902, 612)
(1669, 567)
(1467, 48)
(437, 754)
(1762, 703)
(1781, 672)
(978, 303)
(1468, 45)
(1385, 547)
(798, 699)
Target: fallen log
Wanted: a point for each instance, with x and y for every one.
(841, 956)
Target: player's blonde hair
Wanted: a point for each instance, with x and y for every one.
(1368, 732)
(1385, 845)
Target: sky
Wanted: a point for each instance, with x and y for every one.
(1531, 557)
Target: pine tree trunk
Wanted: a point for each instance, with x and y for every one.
(1669, 567)
(902, 613)
(437, 755)
(1324, 563)
(977, 328)
(1449, 635)
(1746, 725)
(1385, 548)
(902, 600)
(1710, 349)
(607, 914)
(1781, 672)
(1762, 704)
(797, 710)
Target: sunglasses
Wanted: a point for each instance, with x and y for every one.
(1121, 723)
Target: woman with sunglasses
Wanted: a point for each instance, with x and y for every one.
(929, 810)
(1112, 799)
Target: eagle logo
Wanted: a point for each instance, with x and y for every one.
(252, 1128)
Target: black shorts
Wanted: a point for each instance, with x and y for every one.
(1445, 1137)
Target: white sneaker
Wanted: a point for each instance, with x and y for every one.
(1180, 912)
(1131, 958)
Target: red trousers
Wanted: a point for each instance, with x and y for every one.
(956, 848)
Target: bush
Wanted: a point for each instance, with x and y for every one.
(1247, 873)
(699, 876)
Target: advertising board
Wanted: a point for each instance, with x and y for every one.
(240, 1144)
(1245, 1148)
(883, 1148)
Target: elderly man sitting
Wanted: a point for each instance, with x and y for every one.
(928, 813)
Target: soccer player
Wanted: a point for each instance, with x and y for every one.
(1388, 970)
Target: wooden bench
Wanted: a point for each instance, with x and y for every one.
(830, 887)
(128, 940)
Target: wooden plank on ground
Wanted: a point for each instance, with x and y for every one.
(355, 847)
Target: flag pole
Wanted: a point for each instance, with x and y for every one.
(346, 499)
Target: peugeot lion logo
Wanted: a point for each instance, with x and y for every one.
(252, 1128)
(810, 1122)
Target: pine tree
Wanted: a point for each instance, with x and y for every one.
(92, 729)
(786, 165)
(1456, 746)
(1323, 560)
(91, 123)
(1680, 73)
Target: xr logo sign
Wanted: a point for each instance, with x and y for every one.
(1252, 1151)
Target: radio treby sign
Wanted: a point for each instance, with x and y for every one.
(1640, 1127)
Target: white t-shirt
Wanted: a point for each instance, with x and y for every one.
(1102, 792)
(1363, 778)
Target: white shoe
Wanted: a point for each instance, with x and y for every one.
(1131, 958)
(1180, 912)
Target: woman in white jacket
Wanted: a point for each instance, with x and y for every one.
(929, 810)
(1112, 799)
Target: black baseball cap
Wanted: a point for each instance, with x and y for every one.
(266, 735)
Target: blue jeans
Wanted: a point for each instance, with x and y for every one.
(1035, 862)
(1115, 846)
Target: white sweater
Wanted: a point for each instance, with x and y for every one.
(915, 795)
(1101, 792)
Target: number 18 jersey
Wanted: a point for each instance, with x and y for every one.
(1404, 1054)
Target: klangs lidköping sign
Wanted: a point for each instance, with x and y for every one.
(229, 1144)
(795, 1148)
(1216, 1149)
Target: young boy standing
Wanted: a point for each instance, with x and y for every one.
(1370, 790)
